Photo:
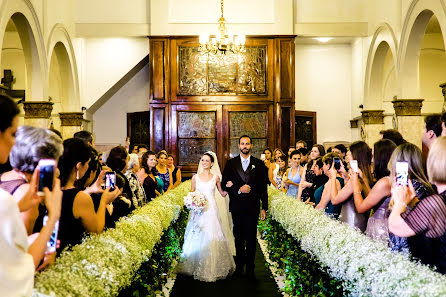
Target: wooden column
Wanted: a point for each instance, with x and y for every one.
(409, 119)
(38, 113)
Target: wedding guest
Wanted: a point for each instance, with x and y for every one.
(57, 132)
(301, 144)
(282, 162)
(176, 172)
(428, 218)
(142, 148)
(152, 184)
(432, 129)
(78, 214)
(322, 195)
(268, 156)
(393, 135)
(319, 180)
(135, 149)
(362, 153)
(317, 151)
(378, 197)
(274, 167)
(85, 136)
(340, 149)
(304, 156)
(290, 150)
(18, 258)
(163, 172)
(31, 145)
(293, 175)
(120, 207)
(136, 187)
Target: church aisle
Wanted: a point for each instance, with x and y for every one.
(264, 286)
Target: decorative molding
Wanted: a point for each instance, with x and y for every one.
(38, 109)
(353, 123)
(71, 118)
(408, 107)
(112, 30)
(338, 29)
(373, 117)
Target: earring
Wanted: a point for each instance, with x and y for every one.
(77, 174)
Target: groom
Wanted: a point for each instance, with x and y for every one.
(245, 178)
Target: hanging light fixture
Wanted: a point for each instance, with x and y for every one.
(222, 42)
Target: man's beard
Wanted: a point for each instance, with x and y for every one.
(245, 150)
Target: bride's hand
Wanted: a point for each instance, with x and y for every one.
(229, 184)
(224, 194)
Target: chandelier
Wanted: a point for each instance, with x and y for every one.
(222, 42)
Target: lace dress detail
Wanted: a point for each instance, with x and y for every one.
(206, 253)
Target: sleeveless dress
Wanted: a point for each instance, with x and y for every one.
(206, 253)
(293, 190)
(166, 179)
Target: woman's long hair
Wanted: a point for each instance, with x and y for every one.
(382, 151)
(74, 151)
(362, 153)
(144, 165)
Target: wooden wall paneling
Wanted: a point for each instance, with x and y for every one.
(285, 122)
(286, 48)
(159, 128)
(159, 70)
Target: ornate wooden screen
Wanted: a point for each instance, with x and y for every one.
(203, 102)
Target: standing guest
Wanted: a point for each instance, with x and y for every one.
(142, 148)
(136, 187)
(340, 149)
(317, 151)
(152, 184)
(78, 214)
(18, 258)
(85, 136)
(163, 172)
(278, 178)
(293, 174)
(268, 156)
(120, 207)
(393, 135)
(274, 167)
(176, 172)
(32, 144)
(135, 149)
(303, 194)
(301, 144)
(57, 132)
(100, 159)
(428, 218)
(432, 129)
(362, 153)
(290, 150)
(319, 180)
(305, 156)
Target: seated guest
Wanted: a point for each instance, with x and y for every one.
(78, 214)
(393, 135)
(301, 144)
(293, 174)
(176, 172)
(362, 153)
(163, 172)
(31, 145)
(268, 155)
(378, 197)
(18, 258)
(85, 136)
(278, 178)
(117, 161)
(428, 218)
(153, 185)
(322, 194)
(340, 149)
(274, 167)
(432, 129)
(136, 187)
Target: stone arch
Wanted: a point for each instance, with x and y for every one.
(417, 18)
(382, 53)
(22, 13)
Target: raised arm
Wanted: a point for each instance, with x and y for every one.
(379, 191)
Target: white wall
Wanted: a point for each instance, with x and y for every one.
(322, 11)
(110, 120)
(323, 84)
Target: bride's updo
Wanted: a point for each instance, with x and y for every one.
(210, 156)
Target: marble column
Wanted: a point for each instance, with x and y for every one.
(70, 123)
(409, 119)
(373, 122)
(38, 113)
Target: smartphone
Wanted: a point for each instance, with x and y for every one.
(46, 176)
(51, 244)
(337, 163)
(110, 180)
(262, 157)
(402, 173)
(354, 166)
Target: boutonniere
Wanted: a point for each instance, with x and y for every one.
(253, 166)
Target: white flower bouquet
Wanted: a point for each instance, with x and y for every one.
(195, 201)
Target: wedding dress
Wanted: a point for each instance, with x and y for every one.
(208, 248)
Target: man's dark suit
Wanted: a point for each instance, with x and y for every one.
(245, 207)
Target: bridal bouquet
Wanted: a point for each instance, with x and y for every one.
(195, 201)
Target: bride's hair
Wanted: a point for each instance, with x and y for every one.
(210, 156)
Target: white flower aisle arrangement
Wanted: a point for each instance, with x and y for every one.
(195, 201)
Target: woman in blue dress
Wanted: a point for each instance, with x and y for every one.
(163, 171)
(293, 175)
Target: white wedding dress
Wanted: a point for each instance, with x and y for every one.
(207, 253)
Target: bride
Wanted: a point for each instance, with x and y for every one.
(208, 247)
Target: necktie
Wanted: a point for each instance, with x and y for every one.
(245, 165)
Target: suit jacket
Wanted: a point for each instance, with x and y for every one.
(256, 176)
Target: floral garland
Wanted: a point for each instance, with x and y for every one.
(105, 264)
(364, 266)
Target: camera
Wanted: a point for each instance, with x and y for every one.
(46, 176)
(402, 173)
(110, 180)
(337, 163)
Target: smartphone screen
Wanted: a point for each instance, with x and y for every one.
(110, 180)
(262, 157)
(46, 176)
(354, 165)
(51, 244)
(337, 163)
(402, 173)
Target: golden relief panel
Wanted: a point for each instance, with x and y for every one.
(227, 74)
(196, 124)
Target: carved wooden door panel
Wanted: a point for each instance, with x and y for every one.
(138, 128)
(305, 127)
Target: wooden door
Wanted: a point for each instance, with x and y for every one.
(138, 128)
(305, 127)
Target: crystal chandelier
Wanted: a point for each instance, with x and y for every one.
(222, 42)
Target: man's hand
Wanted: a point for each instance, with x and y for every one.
(245, 189)
(263, 215)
